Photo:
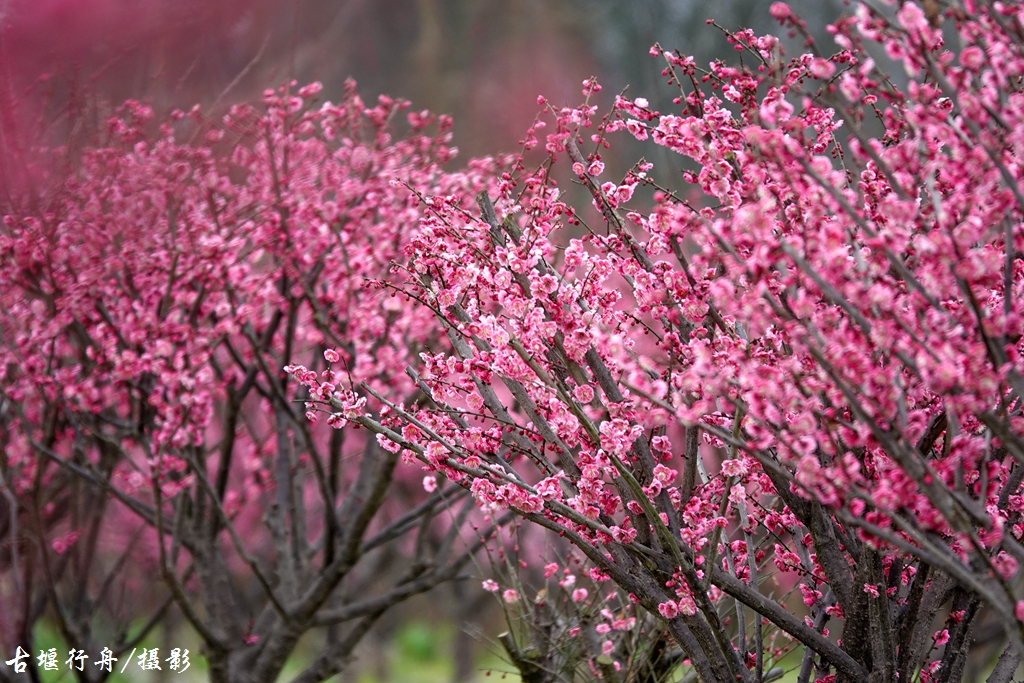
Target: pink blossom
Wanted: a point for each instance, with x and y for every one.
(734, 468)
(61, 545)
(810, 596)
(637, 129)
(972, 57)
(623, 193)
(584, 393)
(665, 475)
(822, 68)
(549, 488)
(624, 624)
(388, 444)
(912, 18)
(687, 606)
(474, 401)
(310, 90)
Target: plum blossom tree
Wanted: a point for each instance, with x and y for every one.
(155, 458)
(793, 383)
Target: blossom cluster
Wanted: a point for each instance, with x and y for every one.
(150, 297)
(806, 363)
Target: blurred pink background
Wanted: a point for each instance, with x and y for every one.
(482, 61)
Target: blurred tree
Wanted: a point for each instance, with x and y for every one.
(482, 61)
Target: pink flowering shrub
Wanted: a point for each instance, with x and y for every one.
(588, 632)
(154, 453)
(802, 367)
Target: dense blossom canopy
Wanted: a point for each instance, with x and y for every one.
(777, 402)
(148, 303)
(809, 375)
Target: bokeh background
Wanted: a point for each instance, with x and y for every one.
(484, 62)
